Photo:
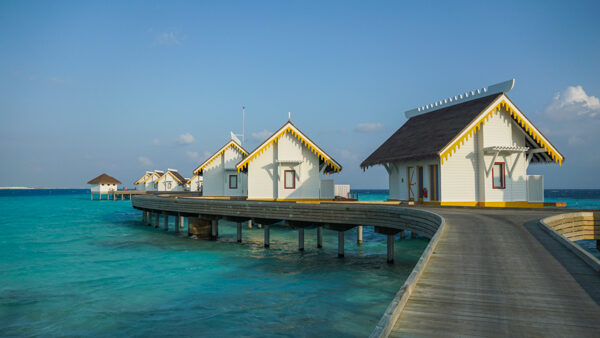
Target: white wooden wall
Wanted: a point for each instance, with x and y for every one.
(103, 188)
(163, 185)
(266, 174)
(398, 179)
(216, 175)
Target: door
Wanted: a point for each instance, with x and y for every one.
(411, 180)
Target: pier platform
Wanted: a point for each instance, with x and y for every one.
(485, 272)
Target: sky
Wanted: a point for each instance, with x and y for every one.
(123, 87)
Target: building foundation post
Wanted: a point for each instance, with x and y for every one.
(301, 239)
(214, 230)
(359, 234)
(267, 236)
(166, 222)
(177, 220)
(340, 244)
(319, 237)
(239, 232)
(390, 248)
(249, 224)
(157, 220)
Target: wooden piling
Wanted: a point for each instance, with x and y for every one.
(402, 236)
(359, 235)
(157, 220)
(390, 248)
(267, 236)
(319, 237)
(301, 239)
(214, 230)
(340, 244)
(181, 222)
(249, 224)
(177, 221)
(166, 216)
(239, 232)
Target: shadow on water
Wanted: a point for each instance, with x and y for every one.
(585, 276)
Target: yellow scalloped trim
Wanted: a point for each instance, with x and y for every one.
(314, 150)
(524, 123)
(217, 155)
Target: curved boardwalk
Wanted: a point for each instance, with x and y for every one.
(496, 273)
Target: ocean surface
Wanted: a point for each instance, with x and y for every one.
(75, 267)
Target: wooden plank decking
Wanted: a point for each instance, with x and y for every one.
(495, 273)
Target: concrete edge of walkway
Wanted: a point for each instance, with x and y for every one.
(391, 314)
(587, 257)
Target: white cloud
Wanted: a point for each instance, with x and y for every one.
(167, 38)
(368, 127)
(156, 142)
(144, 161)
(193, 155)
(571, 103)
(261, 135)
(186, 138)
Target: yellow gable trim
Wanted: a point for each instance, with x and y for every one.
(529, 128)
(149, 177)
(165, 175)
(274, 139)
(231, 144)
(142, 179)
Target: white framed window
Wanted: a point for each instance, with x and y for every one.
(498, 179)
(289, 179)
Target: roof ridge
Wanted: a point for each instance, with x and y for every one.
(501, 87)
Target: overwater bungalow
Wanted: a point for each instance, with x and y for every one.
(289, 166)
(103, 184)
(139, 184)
(219, 174)
(151, 179)
(468, 150)
(170, 181)
(195, 183)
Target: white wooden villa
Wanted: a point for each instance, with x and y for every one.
(468, 150)
(151, 179)
(103, 184)
(170, 181)
(139, 184)
(289, 166)
(219, 174)
(195, 183)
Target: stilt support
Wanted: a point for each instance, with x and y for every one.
(214, 230)
(181, 222)
(166, 222)
(359, 234)
(301, 239)
(340, 244)
(250, 224)
(390, 248)
(177, 221)
(319, 237)
(267, 236)
(156, 220)
(239, 232)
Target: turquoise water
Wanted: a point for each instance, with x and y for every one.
(74, 267)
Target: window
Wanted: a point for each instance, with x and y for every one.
(169, 185)
(289, 179)
(498, 176)
(233, 182)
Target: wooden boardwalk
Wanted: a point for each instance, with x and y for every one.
(496, 273)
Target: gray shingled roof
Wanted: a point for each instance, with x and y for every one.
(424, 136)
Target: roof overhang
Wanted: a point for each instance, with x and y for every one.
(231, 144)
(536, 138)
(331, 165)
